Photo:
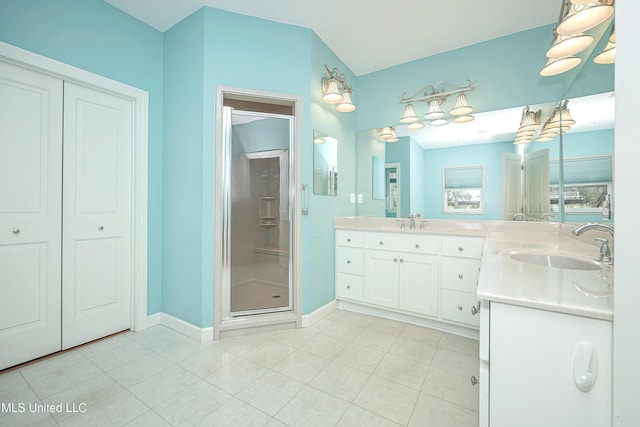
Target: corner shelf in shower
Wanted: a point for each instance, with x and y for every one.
(267, 219)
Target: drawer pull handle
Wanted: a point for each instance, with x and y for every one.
(395, 260)
(348, 286)
(460, 249)
(401, 260)
(475, 309)
(348, 261)
(381, 243)
(474, 380)
(16, 231)
(460, 307)
(460, 276)
(349, 240)
(417, 246)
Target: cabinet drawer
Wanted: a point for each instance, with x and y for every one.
(456, 307)
(349, 238)
(460, 274)
(348, 286)
(466, 247)
(414, 243)
(349, 260)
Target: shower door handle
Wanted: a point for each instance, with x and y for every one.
(305, 207)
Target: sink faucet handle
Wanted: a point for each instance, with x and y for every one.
(605, 252)
(402, 224)
(422, 223)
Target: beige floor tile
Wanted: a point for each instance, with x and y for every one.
(51, 364)
(139, 370)
(357, 319)
(268, 353)
(116, 355)
(415, 350)
(301, 366)
(324, 346)
(375, 339)
(356, 416)
(402, 370)
(241, 344)
(161, 386)
(387, 399)
(113, 411)
(453, 388)
(460, 344)
(149, 419)
(360, 357)
(192, 404)
(64, 378)
(419, 333)
(340, 380)
(235, 376)
(387, 326)
(312, 407)
(235, 413)
(270, 392)
(459, 363)
(344, 331)
(433, 412)
(205, 362)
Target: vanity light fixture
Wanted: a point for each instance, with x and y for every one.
(336, 90)
(576, 17)
(436, 97)
(608, 54)
(530, 124)
(388, 133)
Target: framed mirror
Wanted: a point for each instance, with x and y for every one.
(325, 164)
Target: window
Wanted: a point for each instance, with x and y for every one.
(588, 184)
(463, 189)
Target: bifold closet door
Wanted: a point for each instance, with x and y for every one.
(30, 214)
(97, 207)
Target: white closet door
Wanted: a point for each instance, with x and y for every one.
(30, 214)
(97, 219)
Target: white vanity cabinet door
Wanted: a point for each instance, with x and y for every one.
(532, 369)
(418, 283)
(457, 307)
(381, 278)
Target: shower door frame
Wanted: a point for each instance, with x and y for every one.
(224, 321)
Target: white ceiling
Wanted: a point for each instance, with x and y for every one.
(369, 35)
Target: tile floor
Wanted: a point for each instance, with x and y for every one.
(346, 370)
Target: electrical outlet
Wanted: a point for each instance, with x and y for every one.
(360, 198)
(353, 198)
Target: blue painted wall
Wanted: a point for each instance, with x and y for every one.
(94, 36)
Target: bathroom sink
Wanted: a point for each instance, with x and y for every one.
(555, 260)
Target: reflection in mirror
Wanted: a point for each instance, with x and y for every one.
(463, 189)
(392, 188)
(325, 164)
(377, 175)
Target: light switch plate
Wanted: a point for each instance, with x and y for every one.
(353, 197)
(359, 198)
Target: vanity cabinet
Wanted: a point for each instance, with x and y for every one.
(532, 379)
(349, 265)
(461, 259)
(426, 275)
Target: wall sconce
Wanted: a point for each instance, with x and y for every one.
(530, 124)
(576, 17)
(336, 90)
(608, 54)
(388, 133)
(436, 97)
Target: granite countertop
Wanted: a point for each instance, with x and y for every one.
(502, 279)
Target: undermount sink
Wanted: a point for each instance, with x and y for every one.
(555, 260)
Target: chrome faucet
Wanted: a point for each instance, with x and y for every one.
(605, 253)
(519, 215)
(412, 221)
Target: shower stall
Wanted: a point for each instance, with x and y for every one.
(257, 216)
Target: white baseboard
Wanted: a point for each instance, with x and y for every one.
(179, 325)
(319, 314)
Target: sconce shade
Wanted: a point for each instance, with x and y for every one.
(385, 132)
(530, 120)
(434, 110)
(544, 138)
(583, 16)
(526, 133)
(346, 105)
(438, 122)
(332, 94)
(462, 107)
(464, 119)
(409, 115)
(607, 56)
(559, 65)
(415, 126)
(569, 45)
(319, 141)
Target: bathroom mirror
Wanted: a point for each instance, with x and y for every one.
(487, 142)
(377, 178)
(325, 164)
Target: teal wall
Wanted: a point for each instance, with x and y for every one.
(94, 36)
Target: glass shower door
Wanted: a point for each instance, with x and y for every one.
(257, 224)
